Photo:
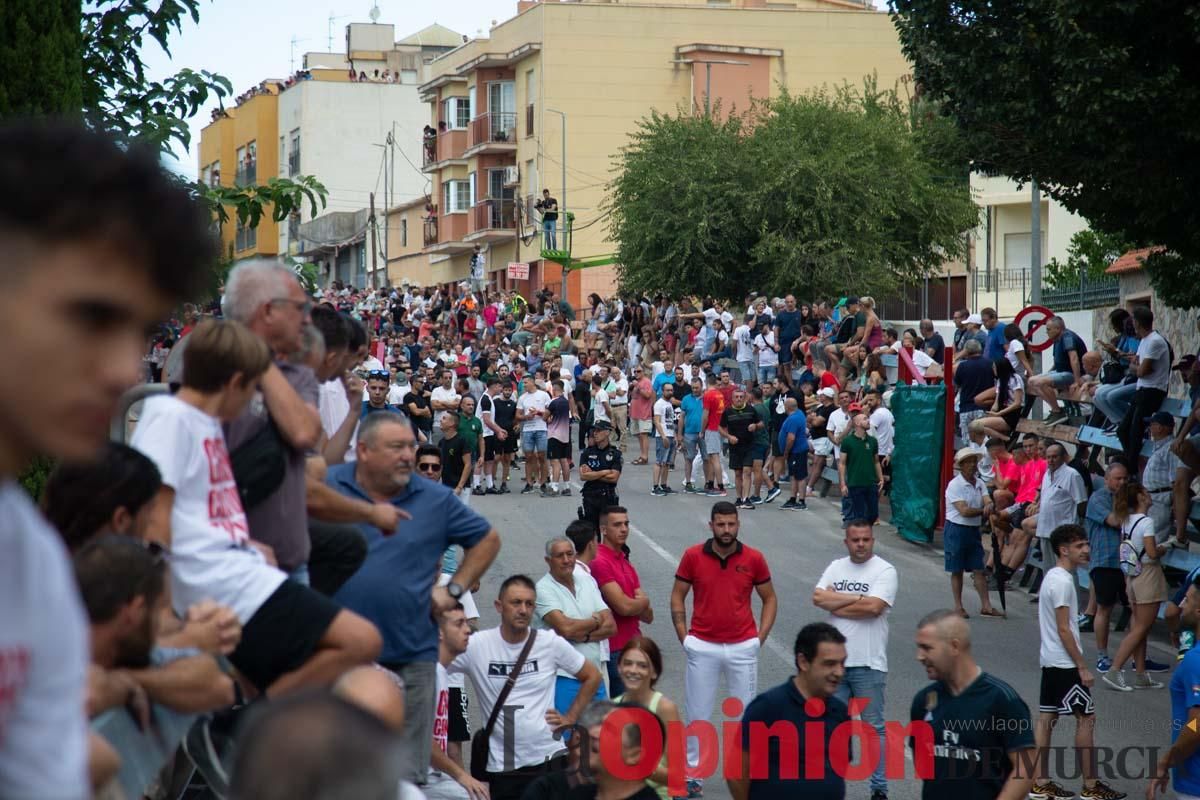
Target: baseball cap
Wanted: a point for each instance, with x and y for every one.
(974, 319)
(851, 301)
(827, 392)
(855, 407)
(602, 425)
(1162, 418)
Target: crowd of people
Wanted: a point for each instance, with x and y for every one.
(279, 573)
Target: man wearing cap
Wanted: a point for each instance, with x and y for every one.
(599, 468)
(859, 471)
(1164, 474)
(967, 505)
(819, 442)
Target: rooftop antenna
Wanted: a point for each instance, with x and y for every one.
(333, 19)
(292, 58)
(374, 14)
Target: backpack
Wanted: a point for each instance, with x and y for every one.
(1129, 556)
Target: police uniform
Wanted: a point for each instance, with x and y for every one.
(598, 495)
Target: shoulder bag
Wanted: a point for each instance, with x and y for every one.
(481, 741)
(1129, 556)
(259, 465)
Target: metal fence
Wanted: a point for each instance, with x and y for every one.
(1090, 293)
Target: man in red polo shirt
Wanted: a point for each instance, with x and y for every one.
(620, 587)
(723, 638)
(712, 406)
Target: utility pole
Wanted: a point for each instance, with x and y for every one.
(374, 251)
(1035, 255)
(562, 205)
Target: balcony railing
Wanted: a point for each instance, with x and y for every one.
(494, 215)
(498, 127)
(429, 150)
(431, 231)
(247, 175)
(529, 120)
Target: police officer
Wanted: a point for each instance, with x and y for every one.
(600, 469)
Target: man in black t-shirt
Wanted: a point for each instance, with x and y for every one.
(456, 458)
(416, 405)
(982, 743)
(505, 415)
(738, 423)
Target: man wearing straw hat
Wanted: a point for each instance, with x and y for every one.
(967, 505)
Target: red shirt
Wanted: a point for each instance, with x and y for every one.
(1010, 470)
(722, 612)
(1032, 473)
(714, 403)
(829, 381)
(610, 566)
(727, 394)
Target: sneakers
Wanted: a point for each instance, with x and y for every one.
(668, 490)
(690, 488)
(1057, 418)
(801, 505)
(879, 794)
(714, 492)
(658, 492)
(566, 492)
(546, 491)
(1101, 791)
(1144, 681)
(528, 489)
(1155, 666)
(1103, 663)
(745, 504)
(720, 492)
(204, 746)
(493, 490)
(755, 499)
(771, 495)
(790, 505)
(695, 789)
(1050, 791)
(1116, 680)
(479, 491)
(503, 489)
(1087, 624)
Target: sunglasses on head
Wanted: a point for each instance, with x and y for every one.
(379, 373)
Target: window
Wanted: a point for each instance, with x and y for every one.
(1017, 248)
(457, 195)
(408, 76)
(245, 238)
(404, 231)
(282, 150)
(212, 174)
(457, 113)
(294, 155)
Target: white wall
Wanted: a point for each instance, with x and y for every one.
(341, 125)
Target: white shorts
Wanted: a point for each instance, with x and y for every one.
(822, 446)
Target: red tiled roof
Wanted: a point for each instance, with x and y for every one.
(1132, 261)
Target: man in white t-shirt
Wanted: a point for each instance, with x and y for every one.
(1153, 370)
(571, 606)
(443, 400)
(766, 347)
(664, 433)
(447, 779)
(859, 591)
(532, 409)
(490, 658)
(1066, 680)
(744, 350)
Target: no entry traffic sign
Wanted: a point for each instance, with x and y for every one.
(1039, 315)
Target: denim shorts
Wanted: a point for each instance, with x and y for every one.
(962, 547)
(664, 450)
(1060, 379)
(691, 445)
(534, 441)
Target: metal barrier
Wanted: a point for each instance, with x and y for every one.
(118, 428)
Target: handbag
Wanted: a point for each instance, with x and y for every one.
(481, 741)
(1129, 556)
(259, 465)
(1112, 371)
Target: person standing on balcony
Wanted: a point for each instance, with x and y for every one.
(478, 269)
(549, 208)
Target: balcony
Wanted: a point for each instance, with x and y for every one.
(493, 221)
(529, 120)
(451, 230)
(247, 174)
(448, 146)
(431, 231)
(493, 133)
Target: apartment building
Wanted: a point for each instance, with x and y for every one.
(549, 99)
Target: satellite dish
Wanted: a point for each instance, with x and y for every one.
(374, 15)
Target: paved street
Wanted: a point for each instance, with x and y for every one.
(798, 545)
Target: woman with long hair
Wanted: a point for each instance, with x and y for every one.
(1016, 350)
(598, 318)
(1001, 420)
(640, 665)
(1147, 590)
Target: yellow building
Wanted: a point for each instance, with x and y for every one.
(238, 149)
(591, 70)
(407, 261)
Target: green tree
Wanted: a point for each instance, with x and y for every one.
(1097, 103)
(678, 206)
(40, 58)
(1090, 253)
(819, 193)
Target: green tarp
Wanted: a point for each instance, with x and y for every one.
(920, 413)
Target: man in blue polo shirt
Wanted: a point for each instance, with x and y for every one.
(1185, 712)
(768, 773)
(394, 588)
(793, 445)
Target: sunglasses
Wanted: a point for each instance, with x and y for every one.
(429, 467)
(379, 373)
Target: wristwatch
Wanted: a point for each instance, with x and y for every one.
(456, 590)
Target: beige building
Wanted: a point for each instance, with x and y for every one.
(590, 70)
(1004, 242)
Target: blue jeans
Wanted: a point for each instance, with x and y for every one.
(746, 371)
(567, 689)
(767, 374)
(868, 683)
(1114, 399)
(548, 231)
(616, 686)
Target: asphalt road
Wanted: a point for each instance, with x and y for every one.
(798, 545)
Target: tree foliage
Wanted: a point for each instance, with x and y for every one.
(820, 193)
(1089, 253)
(118, 97)
(1096, 102)
(40, 58)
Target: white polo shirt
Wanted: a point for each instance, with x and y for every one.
(1062, 492)
(960, 489)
